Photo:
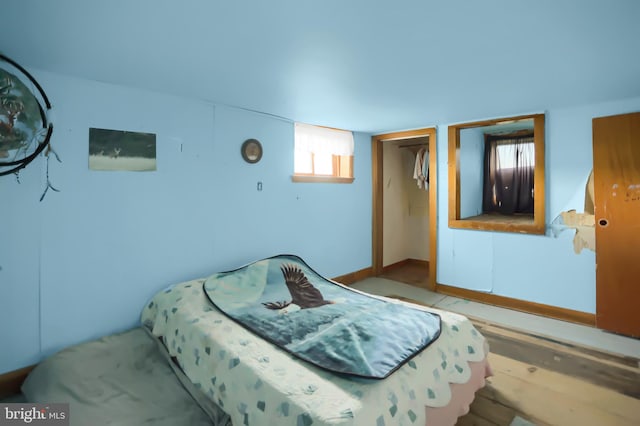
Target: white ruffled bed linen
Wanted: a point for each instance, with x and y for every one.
(257, 383)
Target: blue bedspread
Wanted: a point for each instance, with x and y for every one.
(327, 324)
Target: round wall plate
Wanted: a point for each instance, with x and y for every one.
(251, 151)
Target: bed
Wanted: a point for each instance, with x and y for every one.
(220, 372)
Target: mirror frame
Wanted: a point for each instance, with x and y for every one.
(497, 224)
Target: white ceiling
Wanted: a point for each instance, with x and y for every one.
(364, 65)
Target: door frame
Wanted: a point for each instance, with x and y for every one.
(378, 185)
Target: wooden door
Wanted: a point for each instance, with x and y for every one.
(616, 171)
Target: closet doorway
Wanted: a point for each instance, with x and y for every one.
(400, 216)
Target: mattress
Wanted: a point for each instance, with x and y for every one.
(257, 383)
(122, 379)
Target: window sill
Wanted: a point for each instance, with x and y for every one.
(520, 224)
(321, 179)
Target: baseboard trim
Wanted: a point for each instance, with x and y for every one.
(353, 277)
(556, 312)
(11, 382)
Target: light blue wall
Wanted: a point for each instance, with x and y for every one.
(20, 219)
(83, 262)
(471, 171)
(542, 269)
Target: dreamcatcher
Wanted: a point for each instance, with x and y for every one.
(25, 129)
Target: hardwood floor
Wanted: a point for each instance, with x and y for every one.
(544, 380)
(544, 397)
(410, 271)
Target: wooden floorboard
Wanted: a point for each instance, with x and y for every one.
(621, 378)
(566, 345)
(413, 273)
(492, 411)
(473, 419)
(547, 381)
(546, 397)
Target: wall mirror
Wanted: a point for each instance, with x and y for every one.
(496, 175)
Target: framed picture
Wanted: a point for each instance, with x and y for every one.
(121, 150)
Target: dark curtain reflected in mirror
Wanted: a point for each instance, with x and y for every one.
(509, 166)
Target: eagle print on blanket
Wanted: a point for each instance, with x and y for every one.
(303, 293)
(287, 303)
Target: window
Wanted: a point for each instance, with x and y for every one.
(496, 175)
(322, 154)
